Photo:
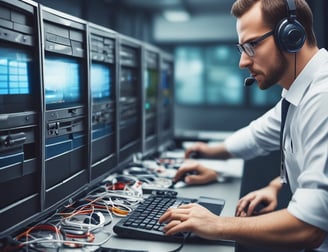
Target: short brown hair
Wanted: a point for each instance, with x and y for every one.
(275, 10)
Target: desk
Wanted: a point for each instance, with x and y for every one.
(228, 191)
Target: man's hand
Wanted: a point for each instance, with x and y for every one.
(190, 218)
(201, 148)
(198, 174)
(267, 197)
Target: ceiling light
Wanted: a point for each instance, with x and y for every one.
(176, 15)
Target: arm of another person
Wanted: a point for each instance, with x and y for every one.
(206, 151)
(197, 173)
(258, 138)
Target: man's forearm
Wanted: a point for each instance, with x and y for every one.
(271, 230)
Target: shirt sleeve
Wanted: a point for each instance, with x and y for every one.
(311, 206)
(259, 138)
(241, 144)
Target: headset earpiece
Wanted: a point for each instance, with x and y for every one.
(91, 220)
(290, 34)
(96, 218)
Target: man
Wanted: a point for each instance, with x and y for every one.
(303, 73)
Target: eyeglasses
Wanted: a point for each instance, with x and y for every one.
(248, 47)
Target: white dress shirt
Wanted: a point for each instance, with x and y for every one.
(305, 142)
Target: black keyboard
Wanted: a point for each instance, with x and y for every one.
(142, 222)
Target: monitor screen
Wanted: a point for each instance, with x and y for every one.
(16, 77)
(14, 69)
(151, 83)
(100, 81)
(62, 81)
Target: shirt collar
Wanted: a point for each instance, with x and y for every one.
(298, 88)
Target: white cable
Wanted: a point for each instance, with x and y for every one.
(45, 240)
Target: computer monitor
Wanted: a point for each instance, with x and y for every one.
(151, 89)
(130, 107)
(66, 99)
(101, 81)
(16, 92)
(103, 72)
(20, 115)
(62, 82)
(14, 72)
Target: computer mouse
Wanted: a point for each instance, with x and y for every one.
(194, 155)
(182, 178)
(258, 208)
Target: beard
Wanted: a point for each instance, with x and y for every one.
(276, 73)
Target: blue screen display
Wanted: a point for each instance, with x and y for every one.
(100, 81)
(62, 81)
(14, 77)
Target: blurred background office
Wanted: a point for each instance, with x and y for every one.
(209, 91)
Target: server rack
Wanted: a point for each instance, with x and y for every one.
(151, 82)
(20, 115)
(103, 86)
(130, 99)
(166, 102)
(67, 103)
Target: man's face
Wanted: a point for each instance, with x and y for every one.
(268, 65)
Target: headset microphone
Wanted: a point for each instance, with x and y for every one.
(249, 81)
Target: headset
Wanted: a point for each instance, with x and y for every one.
(84, 222)
(289, 33)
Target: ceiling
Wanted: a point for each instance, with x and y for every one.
(194, 7)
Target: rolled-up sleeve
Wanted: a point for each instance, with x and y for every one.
(259, 138)
(310, 206)
(243, 145)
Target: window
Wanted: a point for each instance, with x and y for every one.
(210, 75)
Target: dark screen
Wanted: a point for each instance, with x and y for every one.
(151, 84)
(165, 89)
